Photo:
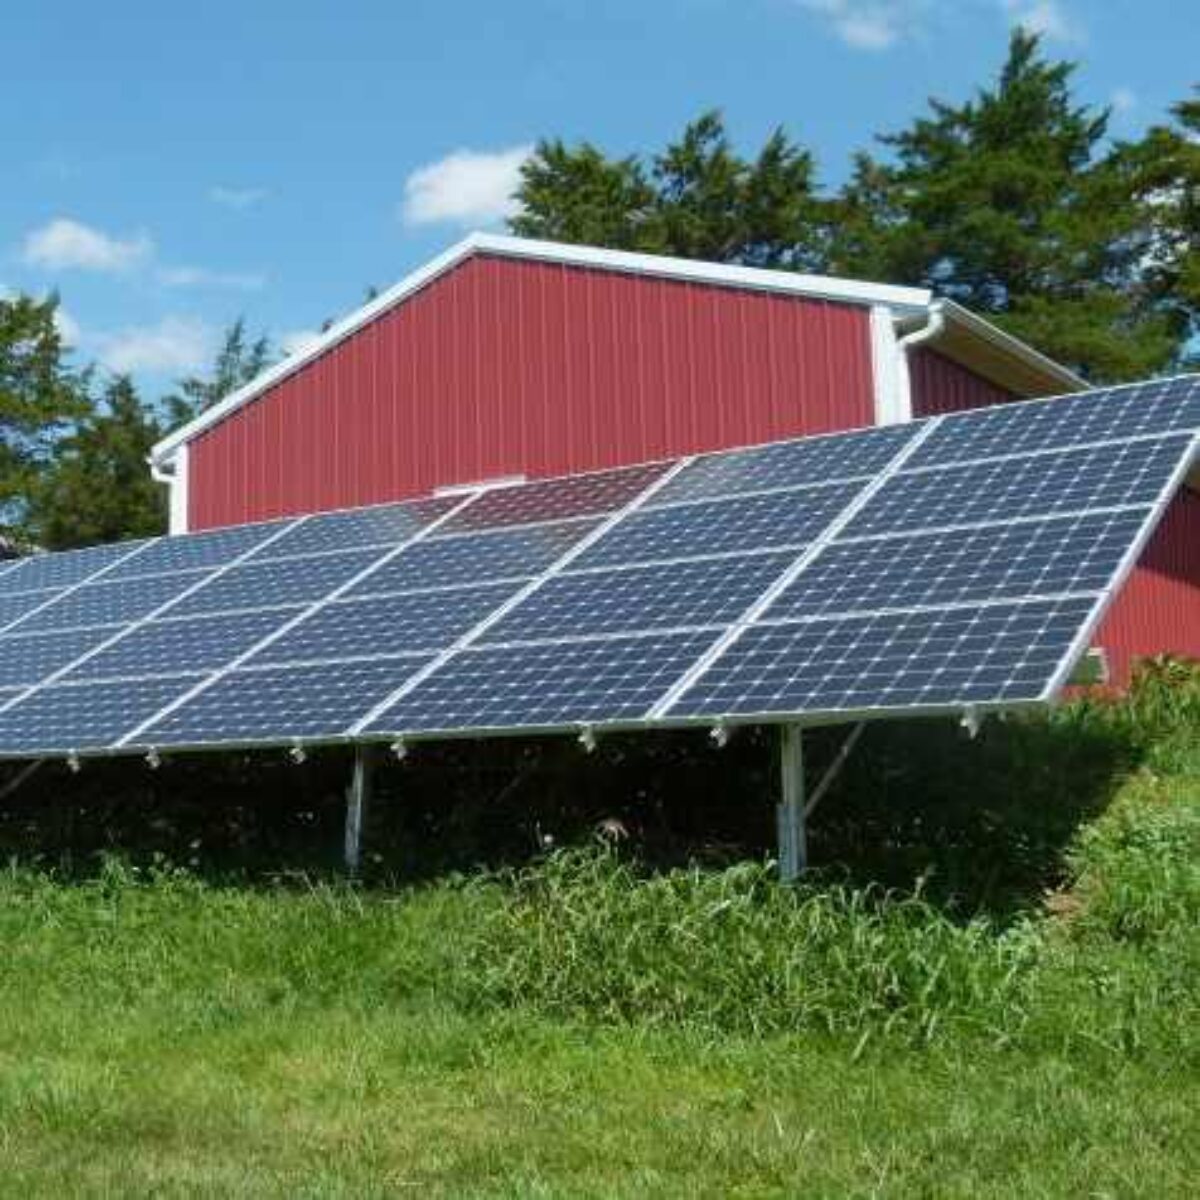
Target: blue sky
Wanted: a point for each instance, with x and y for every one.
(168, 167)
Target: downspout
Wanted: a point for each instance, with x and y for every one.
(930, 331)
(173, 472)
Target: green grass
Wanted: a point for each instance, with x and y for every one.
(584, 1027)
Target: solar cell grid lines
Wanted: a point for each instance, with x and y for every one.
(1077, 553)
(169, 646)
(276, 583)
(14, 607)
(632, 600)
(381, 525)
(1003, 490)
(831, 458)
(107, 603)
(709, 527)
(362, 628)
(509, 553)
(215, 548)
(279, 703)
(556, 499)
(28, 659)
(1112, 414)
(545, 685)
(62, 718)
(70, 567)
(941, 658)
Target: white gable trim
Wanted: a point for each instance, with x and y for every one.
(686, 270)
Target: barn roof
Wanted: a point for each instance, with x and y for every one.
(963, 335)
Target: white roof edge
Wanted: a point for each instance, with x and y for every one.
(983, 328)
(820, 287)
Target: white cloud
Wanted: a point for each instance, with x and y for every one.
(1123, 100)
(467, 187)
(1048, 18)
(296, 341)
(866, 24)
(170, 345)
(63, 244)
(68, 327)
(237, 198)
(246, 281)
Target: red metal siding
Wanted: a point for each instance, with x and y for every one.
(1158, 610)
(940, 386)
(504, 367)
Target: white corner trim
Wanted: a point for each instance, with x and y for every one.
(889, 367)
(658, 266)
(178, 512)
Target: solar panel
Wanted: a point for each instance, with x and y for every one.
(665, 596)
(960, 561)
(1110, 414)
(365, 628)
(546, 685)
(62, 718)
(815, 460)
(279, 704)
(384, 525)
(991, 562)
(104, 603)
(941, 658)
(791, 518)
(178, 646)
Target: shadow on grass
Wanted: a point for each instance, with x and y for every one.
(982, 823)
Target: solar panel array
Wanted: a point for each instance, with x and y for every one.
(955, 562)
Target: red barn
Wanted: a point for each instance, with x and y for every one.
(506, 357)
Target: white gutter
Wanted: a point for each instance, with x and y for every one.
(893, 404)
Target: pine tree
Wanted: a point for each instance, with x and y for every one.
(1004, 203)
(239, 360)
(39, 398)
(697, 199)
(98, 487)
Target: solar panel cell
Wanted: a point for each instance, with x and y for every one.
(787, 464)
(385, 525)
(1001, 653)
(1154, 408)
(13, 608)
(283, 582)
(720, 526)
(641, 598)
(546, 685)
(281, 703)
(104, 603)
(28, 660)
(62, 718)
(177, 646)
(481, 558)
(555, 499)
(385, 625)
(212, 548)
(73, 566)
(1064, 554)
(1021, 487)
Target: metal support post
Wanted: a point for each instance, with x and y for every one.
(789, 815)
(358, 799)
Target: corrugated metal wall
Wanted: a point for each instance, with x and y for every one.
(940, 386)
(1158, 609)
(508, 367)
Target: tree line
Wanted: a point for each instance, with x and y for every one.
(1017, 202)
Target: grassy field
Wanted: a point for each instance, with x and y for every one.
(581, 1028)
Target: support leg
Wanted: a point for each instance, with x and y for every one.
(358, 799)
(789, 815)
